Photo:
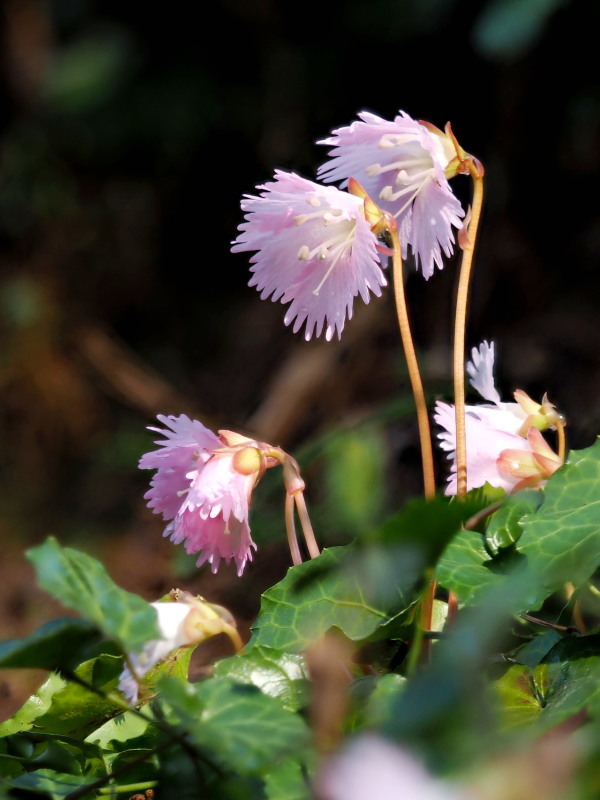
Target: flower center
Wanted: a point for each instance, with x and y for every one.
(335, 246)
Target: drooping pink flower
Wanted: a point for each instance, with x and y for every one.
(403, 166)
(504, 445)
(314, 250)
(203, 487)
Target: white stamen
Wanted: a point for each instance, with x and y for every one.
(313, 201)
(389, 140)
(304, 253)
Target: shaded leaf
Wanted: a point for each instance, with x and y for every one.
(316, 596)
(505, 526)
(64, 707)
(244, 729)
(562, 540)
(277, 674)
(81, 583)
(49, 783)
(60, 644)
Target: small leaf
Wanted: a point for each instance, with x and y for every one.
(60, 644)
(465, 568)
(241, 727)
(505, 526)
(49, 783)
(81, 583)
(65, 707)
(519, 701)
(562, 539)
(277, 674)
(316, 596)
(286, 781)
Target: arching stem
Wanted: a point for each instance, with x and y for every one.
(290, 526)
(460, 322)
(307, 529)
(413, 370)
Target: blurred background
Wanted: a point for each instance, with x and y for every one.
(127, 140)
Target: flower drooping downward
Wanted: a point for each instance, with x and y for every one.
(404, 166)
(504, 445)
(183, 620)
(203, 486)
(315, 250)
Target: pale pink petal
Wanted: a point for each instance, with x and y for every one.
(484, 444)
(372, 768)
(314, 250)
(186, 444)
(401, 164)
(199, 492)
(481, 372)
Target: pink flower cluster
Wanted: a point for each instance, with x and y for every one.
(314, 246)
(203, 486)
(504, 445)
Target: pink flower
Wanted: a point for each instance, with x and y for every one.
(403, 165)
(370, 766)
(504, 445)
(315, 250)
(203, 486)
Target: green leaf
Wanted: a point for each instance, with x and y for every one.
(244, 729)
(572, 670)
(81, 583)
(316, 596)
(49, 783)
(387, 688)
(519, 701)
(287, 782)
(123, 732)
(466, 568)
(562, 540)
(277, 674)
(64, 707)
(506, 526)
(60, 644)
(531, 653)
(564, 684)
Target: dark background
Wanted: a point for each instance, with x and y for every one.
(129, 134)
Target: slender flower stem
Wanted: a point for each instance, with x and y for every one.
(307, 529)
(420, 647)
(290, 527)
(460, 324)
(413, 370)
(562, 440)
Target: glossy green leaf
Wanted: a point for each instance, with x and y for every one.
(286, 781)
(466, 567)
(60, 644)
(562, 539)
(518, 698)
(49, 783)
(505, 526)
(81, 583)
(123, 732)
(565, 683)
(318, 595)
(280, 675)
(243, 729)
(66, 707)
